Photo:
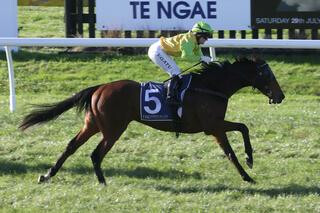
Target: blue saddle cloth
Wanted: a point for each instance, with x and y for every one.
(153, 104)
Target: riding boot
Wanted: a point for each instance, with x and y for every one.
(172, 98)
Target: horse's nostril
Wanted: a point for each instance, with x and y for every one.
(279, 98)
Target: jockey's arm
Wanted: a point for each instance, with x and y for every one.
(188, 53)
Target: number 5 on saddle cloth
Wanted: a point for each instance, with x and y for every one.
(153, 105)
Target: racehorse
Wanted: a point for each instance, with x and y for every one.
(109, 108)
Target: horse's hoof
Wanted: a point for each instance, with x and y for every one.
(249, 162)
(250, 180)
(42, 179)
(102, 183)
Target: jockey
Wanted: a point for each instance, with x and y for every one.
(185, 45)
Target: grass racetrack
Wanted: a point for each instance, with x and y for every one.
(148, 170)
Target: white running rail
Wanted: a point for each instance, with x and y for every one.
(8, 43)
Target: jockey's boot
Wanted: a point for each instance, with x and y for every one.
(172, 98)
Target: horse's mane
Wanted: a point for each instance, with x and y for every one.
(216, 72)
(212, 67)
(216, 66)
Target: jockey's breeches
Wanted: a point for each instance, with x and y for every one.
(162, 59)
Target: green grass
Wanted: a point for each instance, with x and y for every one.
(41, 22)
(149, 170)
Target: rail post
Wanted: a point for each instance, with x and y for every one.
(11, 79)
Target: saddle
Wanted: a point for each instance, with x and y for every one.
(153, 105)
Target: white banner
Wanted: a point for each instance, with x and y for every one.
(8, 18)
(172, 14)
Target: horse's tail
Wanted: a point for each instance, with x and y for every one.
(46, 112)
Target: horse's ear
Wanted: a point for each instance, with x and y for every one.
(241, 58)
(256, 56)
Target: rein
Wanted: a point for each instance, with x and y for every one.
(184, 71)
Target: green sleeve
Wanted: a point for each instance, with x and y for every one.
(187, 52)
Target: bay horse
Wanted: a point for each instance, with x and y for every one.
(109, 108)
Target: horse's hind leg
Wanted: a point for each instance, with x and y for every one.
(85, 133)
(111, 129)
(113, 110)
(110, 136)
(97, 156)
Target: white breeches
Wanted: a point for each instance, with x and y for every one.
(162, 59)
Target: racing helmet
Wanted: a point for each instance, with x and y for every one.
(202, 28)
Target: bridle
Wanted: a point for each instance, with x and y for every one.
(264, 76)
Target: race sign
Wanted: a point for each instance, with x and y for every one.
(286, 14)
(172, 14)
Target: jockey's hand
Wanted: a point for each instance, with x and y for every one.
(205, 59)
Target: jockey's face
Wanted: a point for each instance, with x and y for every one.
(202, 38)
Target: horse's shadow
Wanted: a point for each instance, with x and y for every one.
(292, 189)
(9, 168)
(12, 167)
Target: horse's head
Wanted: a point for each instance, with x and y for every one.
(261, 77)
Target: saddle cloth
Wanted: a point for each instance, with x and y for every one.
(153, 105)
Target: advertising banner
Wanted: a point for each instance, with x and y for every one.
(8, 18)
(285, 14)
(172, 14)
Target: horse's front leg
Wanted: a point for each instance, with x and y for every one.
(228, 126)
(223, 142)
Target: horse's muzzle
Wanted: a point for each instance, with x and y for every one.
(277, 99)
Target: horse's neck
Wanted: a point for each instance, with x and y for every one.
(228, 82)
